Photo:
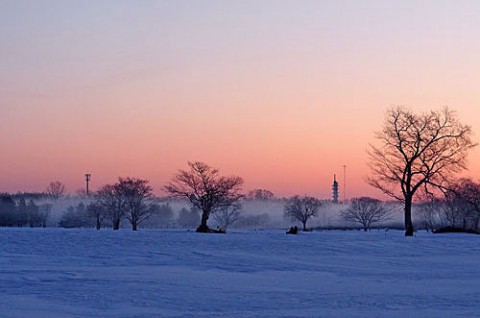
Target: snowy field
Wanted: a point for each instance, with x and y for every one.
(175, 273)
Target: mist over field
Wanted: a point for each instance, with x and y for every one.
(256, 214)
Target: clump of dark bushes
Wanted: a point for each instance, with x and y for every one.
(451, 229)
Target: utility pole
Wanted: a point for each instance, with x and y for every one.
(344, 183)
(87, 180)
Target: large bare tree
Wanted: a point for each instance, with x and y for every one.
(206, 189)
(301, 209)
(365, 211)
(417, 151)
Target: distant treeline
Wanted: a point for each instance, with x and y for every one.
(21, 213)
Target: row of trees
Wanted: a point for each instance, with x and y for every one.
(79, 216)
(129, 198)
(416, 153)
(459, 209)
(23, 214)
(416, 156)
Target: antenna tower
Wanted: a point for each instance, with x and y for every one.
(335, 189)
(87, 181)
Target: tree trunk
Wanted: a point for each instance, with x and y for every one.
(99, 224)
(408, 216)
(134, 225)
(203, 228)
(304, 225)
(116, 224)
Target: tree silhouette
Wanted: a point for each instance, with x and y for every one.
(301, 209)
(129, 198)
(366, 211)
(138, 199)
(114, 204)
(55, 190)
(227, 216)
(417, 151)
(206, 189)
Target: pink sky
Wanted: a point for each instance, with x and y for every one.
(282, 93)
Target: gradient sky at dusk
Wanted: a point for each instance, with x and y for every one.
(282, 93)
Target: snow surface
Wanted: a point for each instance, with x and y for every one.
(176, 273)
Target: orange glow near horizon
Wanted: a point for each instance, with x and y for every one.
(280, 95)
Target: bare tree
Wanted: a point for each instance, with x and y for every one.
(55, 190)
(111, 199)
(138, 199)
(96, 211)
(301, 209)
(365, 211)
(429, 213)
(129, 198)
(463, 204)
(260, 194)
(417, 150)
(206, 190)
(228, 215)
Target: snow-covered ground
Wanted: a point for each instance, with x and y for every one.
(175, 273)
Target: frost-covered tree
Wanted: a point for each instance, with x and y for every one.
(206, 189)
(417, 151)
(301, 209)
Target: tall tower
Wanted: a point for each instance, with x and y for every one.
(87, 181)
(335, 189)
